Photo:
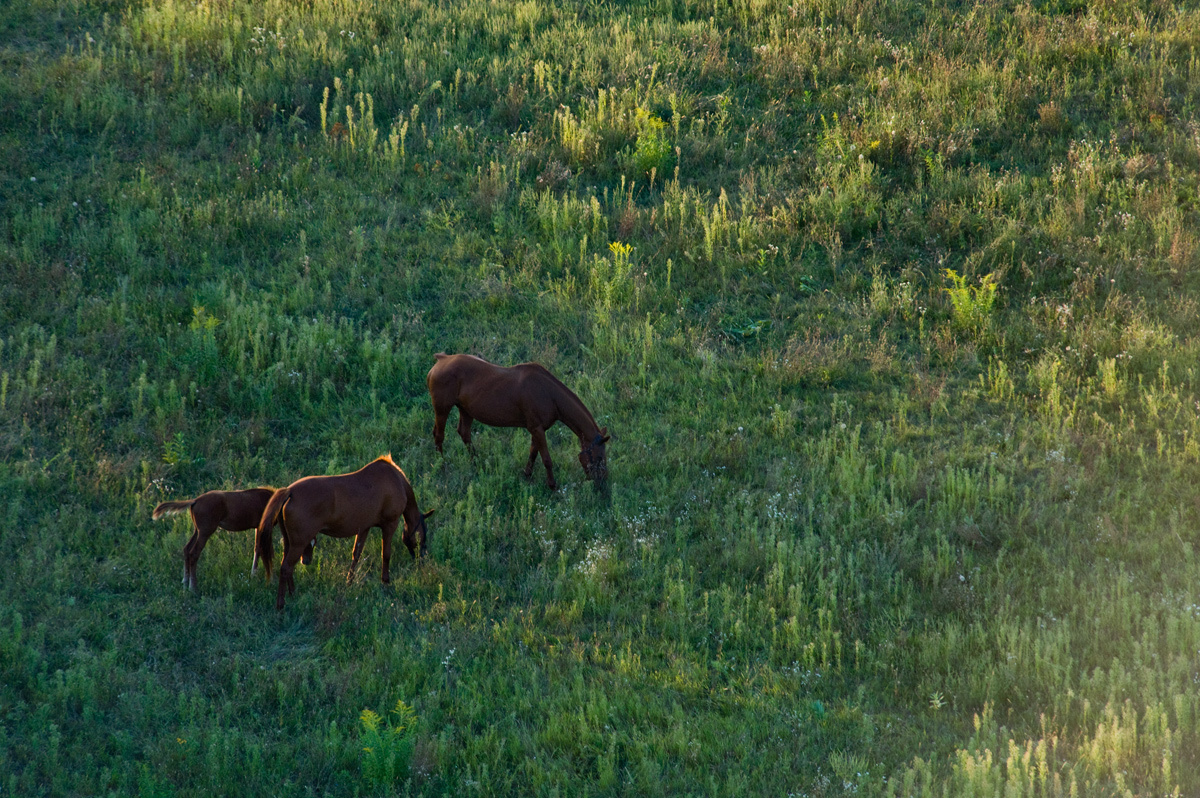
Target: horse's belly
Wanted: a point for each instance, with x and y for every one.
(493, 415)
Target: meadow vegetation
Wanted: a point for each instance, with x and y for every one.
(891, 308)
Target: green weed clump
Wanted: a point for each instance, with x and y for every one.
(652, 153)
(387, 747)
(972, 304)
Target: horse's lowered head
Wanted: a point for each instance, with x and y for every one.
(593, 459)
(421, 535)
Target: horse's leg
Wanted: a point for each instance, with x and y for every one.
(443, 398)
(464, 429)
(533, 453)
(389, 530)
(191, 554)
(360, 540)
(286, 582)
(284, 575)
(439, 427)
(191, 544)
(187, 552)
(539, 444)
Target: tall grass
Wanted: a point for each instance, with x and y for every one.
(889, 307)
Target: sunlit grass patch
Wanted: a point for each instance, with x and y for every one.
(888, 308)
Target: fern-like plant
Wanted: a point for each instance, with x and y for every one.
(387, 747)
(972, 304)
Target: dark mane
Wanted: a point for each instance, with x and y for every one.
(574, 397)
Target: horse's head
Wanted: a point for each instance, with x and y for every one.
(422, 533)
(593, 458)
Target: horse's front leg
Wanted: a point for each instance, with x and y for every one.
(360, 541)
(533, 453)
(539, 446)
(389, 531)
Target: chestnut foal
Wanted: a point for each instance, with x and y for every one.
(525, 395)
(341, 506)
(232, 510)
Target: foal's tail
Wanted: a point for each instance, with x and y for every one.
(264, 544)
(171, 508)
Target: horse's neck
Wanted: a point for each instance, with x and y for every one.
(574, 414)
(412, 515)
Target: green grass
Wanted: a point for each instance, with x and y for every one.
(891, 309)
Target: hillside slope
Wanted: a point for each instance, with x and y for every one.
(890, 307)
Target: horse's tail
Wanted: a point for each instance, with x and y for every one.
(264, 539)
(171, 508)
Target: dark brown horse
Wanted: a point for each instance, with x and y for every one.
(232, 510)
(342, 506)
(525, 395)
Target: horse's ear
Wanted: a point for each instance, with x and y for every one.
(426, 515)
(606, 439)
(604, 436)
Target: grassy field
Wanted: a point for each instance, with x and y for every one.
(890, 307)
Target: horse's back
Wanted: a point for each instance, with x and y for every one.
(382, 478)
(248, 505)
(459, 367)
(346, 502)
(535, 375)
(311, 494)
(500, 396)
(234, 510)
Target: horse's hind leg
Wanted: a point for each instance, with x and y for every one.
(190, 545)
(191, 552)
(464, 429)
(187, 553)
(307, 556)
(439, 428)
(286, 570)
(444, 398)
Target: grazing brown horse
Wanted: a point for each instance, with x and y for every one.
(232, 510)
(525, 395)
(342, 506)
